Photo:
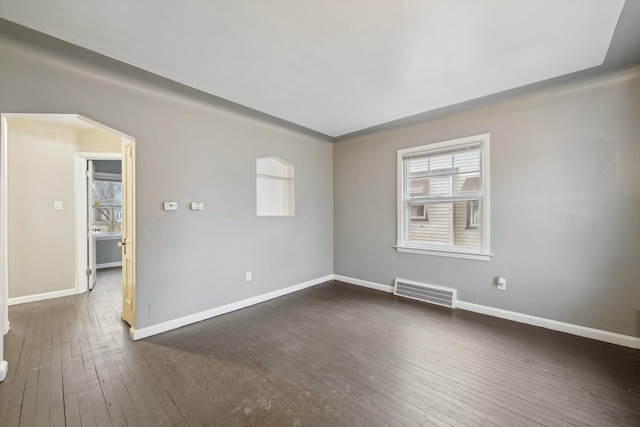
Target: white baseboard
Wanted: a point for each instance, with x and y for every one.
(109, 265)
(569, 328)
(581, 331)
(366, 284)
(4, 367)
(40, 297)
(137, 334)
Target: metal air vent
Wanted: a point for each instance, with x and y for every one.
(427, 293)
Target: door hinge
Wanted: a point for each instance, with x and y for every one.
(89, 272)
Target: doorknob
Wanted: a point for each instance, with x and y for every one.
(123, 244)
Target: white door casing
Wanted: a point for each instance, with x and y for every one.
(91, 240)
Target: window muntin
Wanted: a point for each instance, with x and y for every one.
(443, 197)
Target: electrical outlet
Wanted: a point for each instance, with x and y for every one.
(247, 276)
(501, 283)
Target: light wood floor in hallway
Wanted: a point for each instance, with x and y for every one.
(331, 355)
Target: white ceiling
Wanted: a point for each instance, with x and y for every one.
(337, 67)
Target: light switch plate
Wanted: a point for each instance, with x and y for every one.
(197, 206)
(57, 205)
(170, 206)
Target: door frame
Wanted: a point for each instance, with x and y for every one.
(81, 159)
(60, 119)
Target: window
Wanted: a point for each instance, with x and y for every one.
(420, 212)
(443, 198)
(275, 187)
(107, 199)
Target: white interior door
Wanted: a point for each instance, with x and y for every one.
(91, 238)
(128, 232)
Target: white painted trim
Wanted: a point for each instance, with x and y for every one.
(554, 325)
(43, 296)
(4, 227)
(169, 325)
(4, 367)
(116, 155)
(451, 254)
(109, 265)
(569, 328)
(364, 283)
(80, 217)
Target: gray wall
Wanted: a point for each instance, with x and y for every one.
(565, 204)
(188, 149)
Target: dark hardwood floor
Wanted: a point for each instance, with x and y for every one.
(330, 355)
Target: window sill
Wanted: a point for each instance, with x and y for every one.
(477, 256)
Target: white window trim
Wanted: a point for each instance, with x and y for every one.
(484, 252)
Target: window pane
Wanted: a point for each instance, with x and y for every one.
(466, 234)
(437, 229)
(440, 186)
(418, 166)
(473, 214)
(467, 161)
(107, 219)
(467, 184)
(107, 192)
(446, 224)
(440, 164)
(420, 212)
(418, 187)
